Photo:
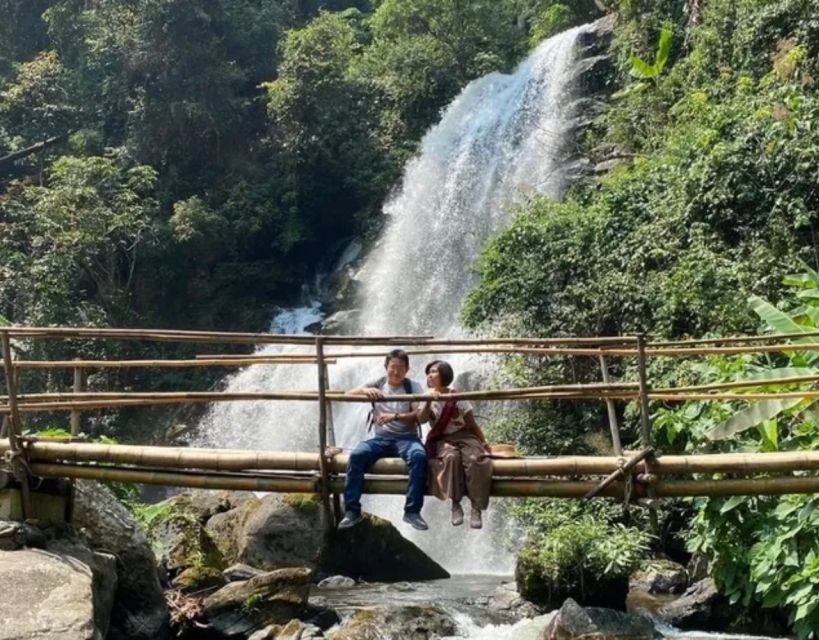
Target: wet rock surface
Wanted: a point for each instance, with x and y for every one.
(593, 623)
(395, 623)
(659, 576)
(275, 597)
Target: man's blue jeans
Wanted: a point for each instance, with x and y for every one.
(367, 452)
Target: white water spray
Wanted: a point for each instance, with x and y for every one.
(500, 141)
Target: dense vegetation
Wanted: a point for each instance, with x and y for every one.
(201, 159)
(712, 200)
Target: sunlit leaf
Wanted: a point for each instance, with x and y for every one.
(750, 417)
(663, 47)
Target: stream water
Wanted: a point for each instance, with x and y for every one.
(464, 597)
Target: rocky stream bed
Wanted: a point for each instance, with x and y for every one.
(218, 565)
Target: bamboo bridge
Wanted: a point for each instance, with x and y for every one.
(642, 475)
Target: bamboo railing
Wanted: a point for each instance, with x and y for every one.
(643, 474)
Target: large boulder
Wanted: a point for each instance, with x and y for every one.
(46, 597)
(276, 597)
(593, 623)
(395, 623)
(375, 550)
(280, 531)
(139, 610)
(104, 579)
(659, 576)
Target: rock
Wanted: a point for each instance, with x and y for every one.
(199, 578)
(701, 607)
(320, 616)
(594, 623)
(550, 591)
(181, 542)
(47, 597)
(104, 577)
(240, 571)
(282, 531)
(395, 623)
(697, 568)
(375, 551)
(659, 576)
(336, 582)
(204, 503)
(139, 611)
(293, 630)
(506, 603)
(16, 535)
(271, 598)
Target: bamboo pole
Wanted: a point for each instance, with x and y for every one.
(162, 364)
(40, 450)
(645, 425)
(18, 463)
(258, 482)
(740, 384)
(270, 338)
(329, 517)
(612, 414)
(500, 487)
(735, 339)
(36, 403)
(76, 416)
(335, 395)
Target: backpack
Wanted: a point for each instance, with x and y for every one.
(406, 383)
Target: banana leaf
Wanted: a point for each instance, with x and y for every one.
(780, 321)
(759, 412)
(752, 416)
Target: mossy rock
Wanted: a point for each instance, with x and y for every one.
(199, 578)
(303, 501)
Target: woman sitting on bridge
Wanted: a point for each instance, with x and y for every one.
(456, 448)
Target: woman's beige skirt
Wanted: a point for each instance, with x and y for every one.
(461, 468)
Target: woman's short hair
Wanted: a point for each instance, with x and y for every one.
(397, 354)
(444, 370)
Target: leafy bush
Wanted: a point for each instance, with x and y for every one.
(576, 549)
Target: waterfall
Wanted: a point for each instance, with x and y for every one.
(501, 140)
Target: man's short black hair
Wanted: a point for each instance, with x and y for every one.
(444, 370)
(397, 354)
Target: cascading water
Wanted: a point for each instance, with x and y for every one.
(501, 140)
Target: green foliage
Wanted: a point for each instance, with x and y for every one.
(646, 71)
(572, 545)
(762, 550)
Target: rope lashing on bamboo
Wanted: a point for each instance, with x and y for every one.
(620, 473)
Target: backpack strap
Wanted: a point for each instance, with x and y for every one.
(371, 417)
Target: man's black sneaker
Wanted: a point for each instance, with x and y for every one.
(350, 519)
(416, 521)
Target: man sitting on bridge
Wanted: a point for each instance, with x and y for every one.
(396, 434)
